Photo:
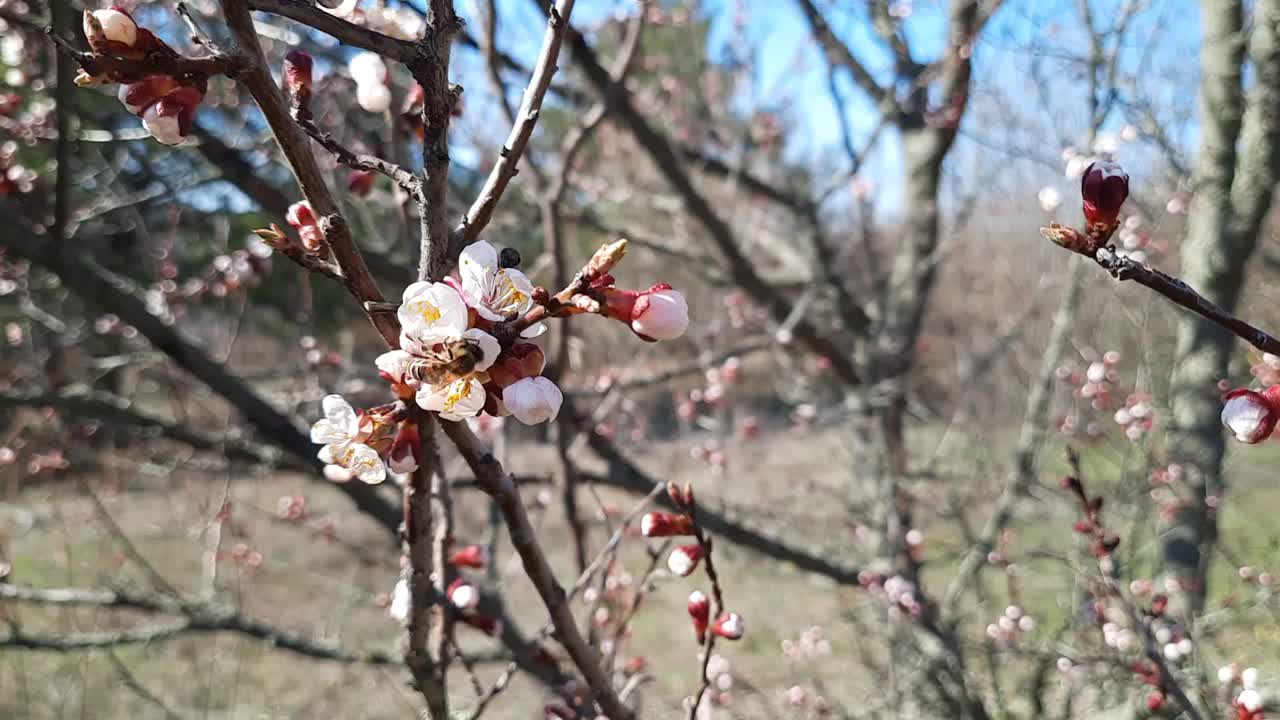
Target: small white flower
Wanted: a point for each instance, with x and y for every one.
(338, 432)
(373, 97)
(361, 460)
(400, 601)
(340, 424)
(495, 292)
(665, 318)
(116, 26)
(164, 128)
(1249, 678)
(456, 400)
(367, 68)
(533, 400)
(430, 313)
(1226, 674)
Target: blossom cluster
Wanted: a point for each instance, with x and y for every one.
(1248, 704)
(1011, 625)
(1099, 385)
(167, 105)
(451, 362)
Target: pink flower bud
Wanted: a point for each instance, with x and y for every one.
(463, 594)
(661, 524)
(300, 214)
(360, 182)
(297, 76)
(660, 314)
(729, 626)
(533, 400)
(1104, 188)
(700, 611)
(1251, 415)
(684, 559)
(471, 556)
(110, 30)
(403, 455)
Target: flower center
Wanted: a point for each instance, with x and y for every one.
(458, 391)
(428, 312)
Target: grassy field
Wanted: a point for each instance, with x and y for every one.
(795, 486)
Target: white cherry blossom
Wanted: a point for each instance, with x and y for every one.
(495, 292)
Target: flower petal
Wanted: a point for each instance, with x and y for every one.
(533, 400)
(324, 433)
(432, 311)
(489, 347)
(458, 400)
(394, 364)
(340, 413)
(534, 330)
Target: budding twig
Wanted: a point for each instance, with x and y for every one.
(127, 70)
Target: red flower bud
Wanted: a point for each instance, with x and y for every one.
(1159, 604)
(729, 626)
(463, 594)
(297, 76)
(1104, 188)
(1252, 415)
(1155, 701)
(684, 559)
(403, 455)
(660, 524)
(300, 214)
(700, 611)
(471, 556)
(360, 182)
(137, 97)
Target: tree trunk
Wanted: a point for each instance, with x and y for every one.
(1232, 196)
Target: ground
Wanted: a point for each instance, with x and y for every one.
(790, 484)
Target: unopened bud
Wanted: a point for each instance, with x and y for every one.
(684, 559)
(463, 594)
(471, 556)
(700, 612)
(297, 76)
(661, 524)
(729, 626)
(403, 455)
(1103, 188)
(360, 182)
(110, 30)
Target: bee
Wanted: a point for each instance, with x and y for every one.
(447, 362)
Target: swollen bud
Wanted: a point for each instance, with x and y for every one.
(110, 30)
(463, 594)
(1251, 415)
(700, 611)
(297, 76)
(403, 455)
(360, 182)
(471, 556)
(1103, 188)
(661, 524)
(729, 626)
(684, 559)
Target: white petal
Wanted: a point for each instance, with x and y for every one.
(324, 433)
(533, 400)
(458, 400)
(329, 453)
(164, 128)
(534, 330)
(478, 262)
(365, 464)
(336, 473)
(489, 347)
(339, 412)
(432, 311)
(394, 363)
